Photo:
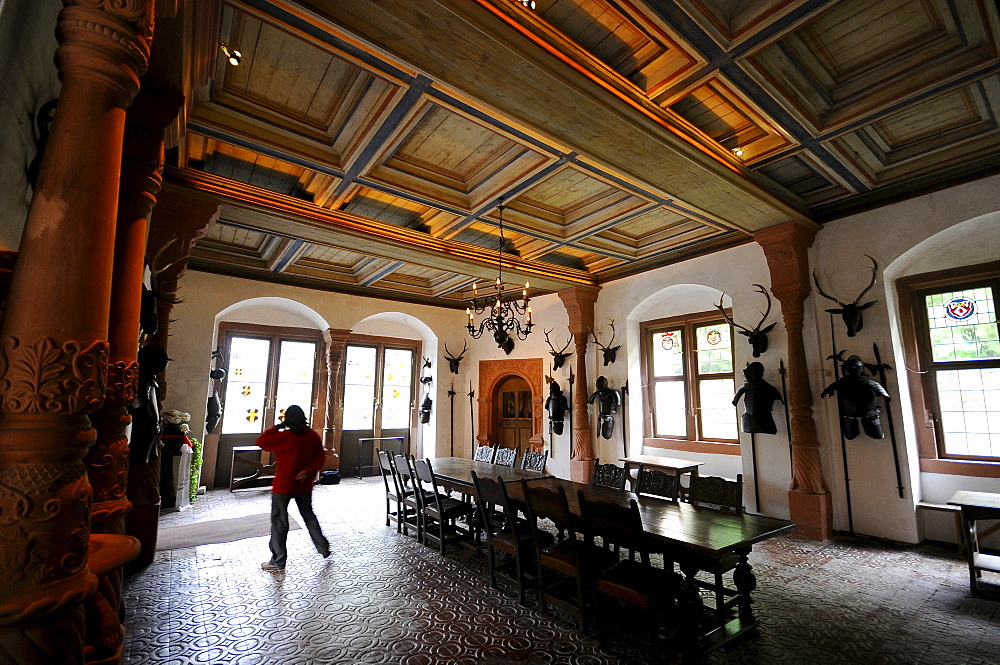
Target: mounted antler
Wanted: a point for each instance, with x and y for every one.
(454, 361)
(851, 311)
(757, 337)
(148, 317)
(558, 357)
(610, 352)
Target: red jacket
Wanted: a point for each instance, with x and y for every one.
(293, 453)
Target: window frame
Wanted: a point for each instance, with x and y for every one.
(381, 345)
(911, 291)
(693, 441)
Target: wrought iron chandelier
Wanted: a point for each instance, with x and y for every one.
(504, 311)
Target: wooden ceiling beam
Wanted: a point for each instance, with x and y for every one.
(291, 217)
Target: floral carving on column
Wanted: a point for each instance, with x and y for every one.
(491, 374)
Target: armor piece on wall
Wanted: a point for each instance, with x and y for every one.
(145, 409)
(425, 410)
(758, 400)
(556, 405)
(608, 400)
(857, 394)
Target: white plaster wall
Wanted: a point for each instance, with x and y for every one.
(28, 79)
(956, 227)
(211, 298)
(696, 286)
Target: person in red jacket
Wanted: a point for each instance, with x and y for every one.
(299, 455)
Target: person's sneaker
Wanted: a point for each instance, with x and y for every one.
(271, 567)
(325, 553)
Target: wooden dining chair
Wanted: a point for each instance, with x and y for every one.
(633, 598)
(563, 567)
(725, 495)
(534, 461)
(716, 492)
(484, 454)
(412, 506)
(608, 475)
(392, 491)
(654, 482)
(505, 457)
(440, 512)
(508, 532)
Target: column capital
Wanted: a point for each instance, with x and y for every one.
(786, 248)
(579, 303)
(336, 338)
(106, 41)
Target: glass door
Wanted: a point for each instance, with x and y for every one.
(378, 404)
(266, 372)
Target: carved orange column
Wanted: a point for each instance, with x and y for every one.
(579, 303)
(336, 341)
(176, 223)
(786, 248)
(53, 345)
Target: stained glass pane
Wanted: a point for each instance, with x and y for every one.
(397, 377)
(718, 415)
(668, 353)
(246, 385)
(715, 348)
(359, 388)
(963, 325)
(296, 365)
(670, 408)
(970, 411)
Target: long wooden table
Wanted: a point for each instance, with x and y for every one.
(697, 538)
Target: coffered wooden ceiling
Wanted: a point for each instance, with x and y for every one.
(362, 146)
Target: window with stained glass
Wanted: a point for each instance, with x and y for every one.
(961, 352)
(688, 366)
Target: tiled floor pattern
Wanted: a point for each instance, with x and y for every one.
(383, 598)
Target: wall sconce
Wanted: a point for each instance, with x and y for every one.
(232, 55)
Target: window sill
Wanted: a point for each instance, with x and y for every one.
(711, 447)
(954, 467)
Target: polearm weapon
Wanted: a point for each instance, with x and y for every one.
(753, 457)
(840, 423)
(472, 415)
(624, 392)
(782, 370)
(451, 398)
(570, 414)
(888, 416)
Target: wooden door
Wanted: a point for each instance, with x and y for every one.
(513, 417)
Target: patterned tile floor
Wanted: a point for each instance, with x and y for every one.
(383, 598)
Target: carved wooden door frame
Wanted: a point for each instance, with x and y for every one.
(491, 374)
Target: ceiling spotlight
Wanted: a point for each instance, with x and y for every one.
(530, 4)
(738, 152)
(232, 55)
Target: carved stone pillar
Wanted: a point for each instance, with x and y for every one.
(53, 345)
(176, 223)
(336, 343)
(579, 303)
(786, 249)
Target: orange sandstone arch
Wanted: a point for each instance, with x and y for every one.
(491, 375)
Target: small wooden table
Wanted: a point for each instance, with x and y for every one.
(678, 466)
(978, 506)
(261, 471)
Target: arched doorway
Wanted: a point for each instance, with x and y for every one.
(512, 402)
(495, 373)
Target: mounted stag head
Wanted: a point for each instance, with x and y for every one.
(610, 352)
(851, 311)
(558, 357)
(455, 361)
(148, 316)
(756, 337)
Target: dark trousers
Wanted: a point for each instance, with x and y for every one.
(279, 525)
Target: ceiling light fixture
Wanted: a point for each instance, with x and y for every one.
(738, 152)
(530, 4)
(232, 55)
(502, 319)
